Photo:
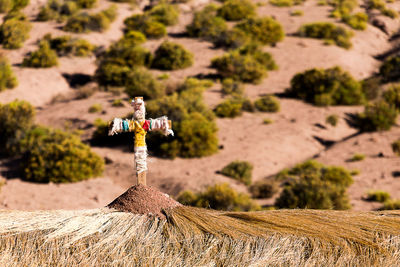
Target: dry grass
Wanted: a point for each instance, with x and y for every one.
(198, 237)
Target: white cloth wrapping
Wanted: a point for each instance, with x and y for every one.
(116, 126)
(161, 123)
(141, 159)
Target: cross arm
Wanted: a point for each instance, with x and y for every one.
(118, 125)
(161, 124)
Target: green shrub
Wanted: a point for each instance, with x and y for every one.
(13, 33)
(130, 56)
(357, 157)
(391, 13)
(396, 147)
(86, 3)
(331, 86)
(206, 24)
(371, 87)
(59, 157)
(67, 45)
(264, 58)
(390, 69)
(267, 121)
(239, 170)
(267, 103)
(95, 108)
(58, 10)
(379, 116)
(378, 195)
(234, 10)
(44, 57)
(141, 82)
(265, 30)
(343, 8)
(392, 96)
(131, 38)
(357, 21)
(232, 87)
(229, 108)
(165, 13)
(391, 205)
(312, 185)
(16, 118)
(332, 119)
(110, 73)
(145, 24)
(327, 31)
(297, 13)
(281, 3)
(7, 77)
(172, 56)
(118, 103)
(15, 14)
(231, 39)
(219, 197)
(264, 189)
(9, 5)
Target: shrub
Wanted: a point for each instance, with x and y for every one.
(343, 8)
(396, 147)
(86, 3)
(296, 13)
(264, 189)
(357, 157)
(44, 57)
(267, 121)
(267, 103)
(95, 108)
(234, 10)
(117, 103)
(9, 5)
(392, 96)
(239, 170)
(219, 197)
(141, 82)
(165, 13)
(391, 205)
(265, 30)
(13, 33)
(378, 116)
(130, 39)
(264, 58)
(15, 14)
(327, 31)
(379, 196)
(16, 118)
(357, 21)
(172, 56)
(331, 86)
(7, 77)
(111, 73)
(314, 186)
(66, 45)
(232, 87)
(390, 69)
(281, 3)
(231, 39)
(206, 24)
(332, 119)
(371, 87)
(145, 24)
(229, 108)
(58, 10)
(59, 157)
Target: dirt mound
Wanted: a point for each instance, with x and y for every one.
(142, 199)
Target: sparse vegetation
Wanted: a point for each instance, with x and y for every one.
(67, 45)
(12, 5)
(172, 56)
(239, 170)
(7, 77)
(312, 185)
(357, 21)
(381, 6)
(327, 31)
(392, 96)
(396, 147)
(14, 32)
(297, 13)
(117, 103)
(332, 119)
(281, 3)
(267, 121)
(267, 103)
(164, 13)
(378, 195)
(357, 157)
(44, 57)
(390, 69)
(219, 197)
(229, 108)
(95, 108)
(234, 10)
(265, 30)
(378, 116)
(392, 204)
(324, 87)
(264, 189)
(231, 39)
(57, 156)
(141, 82)
(232, 87)
(145, 24)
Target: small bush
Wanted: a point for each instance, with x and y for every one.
(9, 5)
(267, 121)
(297, 13)
(327, 31)
(267, 103)
(265, 30)
(357, 21)
(219, 197)
(44, 57)
(264, 58)
(172, 56)
(378, 116)
(165, 13)
(232, 87)
(117, 103)
(390, 69)
(58, 10)
(379, 196)
(145, 24)
(229, 108)
(7, 77)
(67, 45)
(343, 8)
(206, 24)
(264, 189)
(391, 205)
(95, 108)
(281, 3)
(371, 87)
(86, 3)
(59, 157)
(231, 39)
(16, 118)
(392, 96)
(111, 73)
(239, 170)
(357, 157)
(13, 33)
(331, 86)
(332, 119)
(234, 10)
(141, 82)
(312, 185)
(396, 147)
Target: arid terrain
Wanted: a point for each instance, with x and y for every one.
(298, 132)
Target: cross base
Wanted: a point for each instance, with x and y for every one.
(141, 178)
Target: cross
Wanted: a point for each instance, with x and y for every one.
(140, 126)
